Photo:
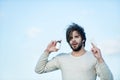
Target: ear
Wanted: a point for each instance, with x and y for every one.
(83, 40)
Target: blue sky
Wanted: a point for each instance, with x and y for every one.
(26, 27)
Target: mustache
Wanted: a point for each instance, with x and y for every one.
(78, 48)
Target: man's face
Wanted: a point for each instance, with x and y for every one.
(75, 41)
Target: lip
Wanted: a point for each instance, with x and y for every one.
(74, 43)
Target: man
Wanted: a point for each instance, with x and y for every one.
(80, 64)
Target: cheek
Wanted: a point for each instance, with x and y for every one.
(70, 42)
(78, 40)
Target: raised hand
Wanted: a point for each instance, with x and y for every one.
(51, 47)
(97, 53)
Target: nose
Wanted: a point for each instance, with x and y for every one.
(73, 39)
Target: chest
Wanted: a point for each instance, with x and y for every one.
(77, 64)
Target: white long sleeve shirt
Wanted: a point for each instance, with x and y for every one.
(84, 67)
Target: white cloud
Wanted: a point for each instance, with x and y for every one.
(33, 32)
(110, 46)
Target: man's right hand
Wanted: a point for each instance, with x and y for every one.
(51, 47)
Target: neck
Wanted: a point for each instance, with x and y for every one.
(79, 53)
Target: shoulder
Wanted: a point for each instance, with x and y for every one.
(62, 55)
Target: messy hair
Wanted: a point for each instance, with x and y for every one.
(79, 29)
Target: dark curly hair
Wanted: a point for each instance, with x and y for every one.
(79, 29)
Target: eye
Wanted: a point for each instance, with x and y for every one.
(70, 38)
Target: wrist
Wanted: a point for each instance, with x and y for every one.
(47, 51)
(100, 60)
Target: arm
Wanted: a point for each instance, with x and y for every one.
(43, 65)
(102, 69)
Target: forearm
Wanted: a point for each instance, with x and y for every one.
(103, 71)
(40, 66)
(100, 60)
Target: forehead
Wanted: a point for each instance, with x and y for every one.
(74, 33)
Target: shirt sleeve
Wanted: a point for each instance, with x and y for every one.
(103, 71)
(43, 65)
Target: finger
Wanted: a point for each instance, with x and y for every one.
(50, 43)
(54, 43)
(93, 50)
(93, 45)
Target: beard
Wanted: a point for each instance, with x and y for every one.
(77, 48)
